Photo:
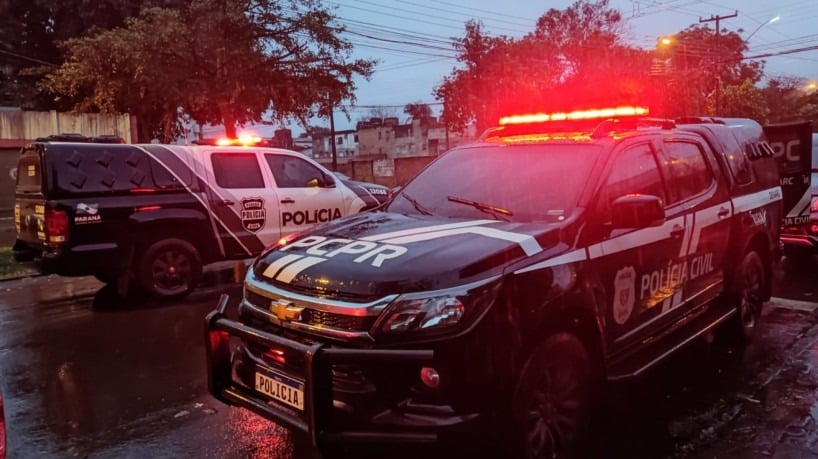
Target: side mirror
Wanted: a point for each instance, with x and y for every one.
(637, 211)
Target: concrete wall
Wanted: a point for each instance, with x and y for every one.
(379, 170)
(18, 127)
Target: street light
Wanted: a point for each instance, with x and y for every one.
(776, 18)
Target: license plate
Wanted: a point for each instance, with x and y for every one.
(280, 387)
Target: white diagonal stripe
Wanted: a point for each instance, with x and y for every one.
(705, 218)
(426, 229)
(635, 239)
(529, 245)
(570, 257)
(278, 264)
(756, 200)
(292, 270)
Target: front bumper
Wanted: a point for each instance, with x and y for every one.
(231, 366)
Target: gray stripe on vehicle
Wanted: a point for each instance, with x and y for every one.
(293, 269)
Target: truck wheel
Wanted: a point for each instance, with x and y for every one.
(170, 268)
(748, 295)
(553, 400)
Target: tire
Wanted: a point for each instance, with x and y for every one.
(748, 295)
(553, 401)
(170, 268)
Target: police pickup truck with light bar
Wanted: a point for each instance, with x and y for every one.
(151, 216)
(489, 297)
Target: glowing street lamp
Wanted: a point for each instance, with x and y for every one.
(774, 19)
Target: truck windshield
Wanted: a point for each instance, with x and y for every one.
(530, 183)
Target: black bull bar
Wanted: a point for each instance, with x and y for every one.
(318, 360)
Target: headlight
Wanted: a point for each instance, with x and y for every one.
(436, 312)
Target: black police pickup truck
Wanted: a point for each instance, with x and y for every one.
(152, 216)
(496, 289)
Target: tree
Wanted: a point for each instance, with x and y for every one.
(31, 30)
(699, 61)
(787, 99)
(238, 60)
(744, 101)
(574, 58)
(418, 111)
(380, 113)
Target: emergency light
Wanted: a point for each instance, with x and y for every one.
(600, 113)
(244, 139)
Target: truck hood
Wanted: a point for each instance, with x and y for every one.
(373, 254)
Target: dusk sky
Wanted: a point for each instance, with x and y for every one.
(412, 39)
(414, 53)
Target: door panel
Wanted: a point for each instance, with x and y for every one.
(307, 195)
(245, 207)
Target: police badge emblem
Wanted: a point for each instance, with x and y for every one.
(624, 295)
(253, 214)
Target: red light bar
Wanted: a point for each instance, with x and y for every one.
(244, 139)
(573, 116)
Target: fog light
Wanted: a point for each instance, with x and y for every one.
(430, 377)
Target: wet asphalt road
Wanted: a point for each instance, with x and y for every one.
(80, 381)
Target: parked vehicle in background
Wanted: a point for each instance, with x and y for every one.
(796, 149)
(493, 293)
(379, 192)
(151, 215)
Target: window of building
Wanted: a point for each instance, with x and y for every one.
(237, 170)
(339, 140)
(356, 138)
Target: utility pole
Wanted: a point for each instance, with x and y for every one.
(332, 136)
(718, 54)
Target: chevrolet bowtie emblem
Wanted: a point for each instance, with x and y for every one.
(285, 310)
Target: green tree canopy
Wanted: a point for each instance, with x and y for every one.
(31, 30)
(236, 61)
(697, 61)
(574, 58)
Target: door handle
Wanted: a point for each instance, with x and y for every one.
(723, 212)
(677, 231)
(225, 202)
(288, 201)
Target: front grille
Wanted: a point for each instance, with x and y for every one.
(341, 322)
(319, 318)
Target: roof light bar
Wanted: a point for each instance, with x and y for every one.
(244, 139)
(573, 116)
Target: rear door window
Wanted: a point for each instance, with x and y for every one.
(237, 170)
(29, 172)
(688, 172)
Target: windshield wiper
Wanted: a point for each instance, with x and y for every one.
(416, 204)
(498, 212)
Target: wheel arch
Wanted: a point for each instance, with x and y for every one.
(184, 224)
(579, 314)
(761, 244)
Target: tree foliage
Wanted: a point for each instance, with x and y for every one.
(238, 60)
(574, 57)
(31, 30)
(697, 61)
(419, 111)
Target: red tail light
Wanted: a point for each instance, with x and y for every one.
(814, 207)
(56, 227)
